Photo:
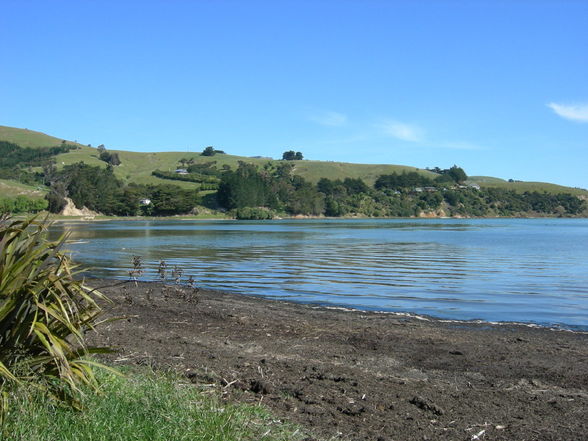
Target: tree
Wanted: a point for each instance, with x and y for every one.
(355, 186)
(56, 197)
(291, 155)
(306, 199)
(243, 187)
(209, 151)
(169, 200)
(397, 181)
(457, 174)
(114, 159)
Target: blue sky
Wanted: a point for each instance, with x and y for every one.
(498, 87)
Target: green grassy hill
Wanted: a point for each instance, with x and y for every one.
(137, 167)
(484, 180)
(12, 189)
(29, 138)
(521, 187)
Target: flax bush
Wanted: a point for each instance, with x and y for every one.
(44, 313)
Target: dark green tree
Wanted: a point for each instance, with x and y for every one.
(244, 187)
(457, 174)
(56, 197)
(210, 151)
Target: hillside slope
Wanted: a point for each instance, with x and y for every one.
(12, 189)
(30, 138)
(137, 167)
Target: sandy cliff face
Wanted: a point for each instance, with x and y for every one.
(71, 210)
(431, 214)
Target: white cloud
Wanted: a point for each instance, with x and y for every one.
(330, 119)
(574, 112)
(402, 131)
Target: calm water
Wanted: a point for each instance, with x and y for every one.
(524, 270)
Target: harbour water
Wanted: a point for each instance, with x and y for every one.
(521, 270)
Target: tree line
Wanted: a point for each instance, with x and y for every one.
(17, 162)
(274, 189)
(264, 192)
(100, 190)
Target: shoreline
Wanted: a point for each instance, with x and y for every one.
(440, 320)
(103, 218)
(358, 375)
(561, 327)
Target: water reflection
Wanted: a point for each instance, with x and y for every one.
(520, 270)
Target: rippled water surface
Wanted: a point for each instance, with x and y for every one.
(526, 270)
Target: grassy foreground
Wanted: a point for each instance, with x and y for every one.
(142, 406)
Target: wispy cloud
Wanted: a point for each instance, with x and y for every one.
(402, 131)
(329, 119)
(574, 112)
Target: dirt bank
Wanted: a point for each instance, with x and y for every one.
(361, 376)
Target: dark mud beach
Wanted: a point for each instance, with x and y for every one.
(360, 376)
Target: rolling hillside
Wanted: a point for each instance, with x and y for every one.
(137, 167)
(12, 189)
(29, 138)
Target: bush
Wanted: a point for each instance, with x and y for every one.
(44, 313)
(254, 213)
(22, 204)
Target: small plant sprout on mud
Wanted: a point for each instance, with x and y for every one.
(177, 287)
(162, 271)
(137, 269)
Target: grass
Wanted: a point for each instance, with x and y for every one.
(137, 167)
(143, 406)
(315, 170)
(521, 187)
(29, 138)
(12, 189)
(485, 180)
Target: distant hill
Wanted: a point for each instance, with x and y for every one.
(485, 180)
(523, 186)
(137, 167)
(29, 138)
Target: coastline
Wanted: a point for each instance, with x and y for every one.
(103, 218)
(359, 375)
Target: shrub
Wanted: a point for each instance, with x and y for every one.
(44, 313)
(254, 213)
(22, 204)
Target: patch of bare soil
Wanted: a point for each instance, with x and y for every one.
(356, 375)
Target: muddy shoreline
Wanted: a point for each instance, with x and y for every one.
(357, 375)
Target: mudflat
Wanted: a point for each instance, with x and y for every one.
(356, 375)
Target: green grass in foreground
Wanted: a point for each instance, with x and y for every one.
(142, 406)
